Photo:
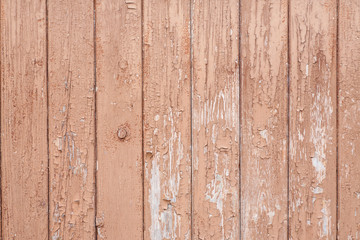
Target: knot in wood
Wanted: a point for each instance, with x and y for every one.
(122, 133)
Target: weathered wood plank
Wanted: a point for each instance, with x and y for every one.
(215, 102)
(167, 122)
(312, 119)
(119, 108)
(71, 119)
(264, 97)
(349, 119)
(24, 158)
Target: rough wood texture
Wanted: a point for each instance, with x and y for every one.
(71, 119)
(349, 119)
(167, 123)
(215, 101)
(148, 126)
(119, 120)
(24, 158)
(312, 119)
(264, 119)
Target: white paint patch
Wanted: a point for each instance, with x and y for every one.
(321, 130)
(357, 195)
(325, 221)
(154, 199)
(264, 134)
(271, 215)
(307, 70)
(163, 193)
(301, 136)
(266, 41)
(216, 193)
(319, 168)
(169, 222)
(205, 149)
(352, 148)
(56, 235)
(317, 190)
(58, 143)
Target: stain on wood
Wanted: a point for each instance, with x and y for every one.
(119, 213)
(71, 119)
(312, 120)
(215, 119)
(349, 120)
(24, 157)
(167, 122)
(264, 109)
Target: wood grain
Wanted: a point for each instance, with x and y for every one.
(312, 119)
(24, 158)
(215, 122)
(167, 123)
(180, 119)
(119, 108)
(264, 94)
(349, 119)
(71, 119)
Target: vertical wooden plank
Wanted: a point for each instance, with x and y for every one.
(24, 159)
(71, 119)
(349, 119)
(215, 101)
(167, 122)
(119, 119)
(312, 119)
(264, 97)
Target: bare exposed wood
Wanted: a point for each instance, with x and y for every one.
(264, 119)
(167, 123)
(24, 158)
(119, 120)
(349, 119)
(312, 119)
(71, 119)
(215, 123)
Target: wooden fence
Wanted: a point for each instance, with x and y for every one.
(174, 119)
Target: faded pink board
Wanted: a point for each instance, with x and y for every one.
(312, 119)
(215, 119)
(349, 119)
(264, 123)
(119, 108)
(24, 157)
(167, 123)
(71, 119)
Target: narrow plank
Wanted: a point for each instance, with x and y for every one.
(349, 119)
(119, 120)
(312, 119)
(24, 158)
(215, 101)
(71, 119)
(264, 94)
(167, 122)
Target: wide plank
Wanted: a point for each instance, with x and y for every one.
(312, 150)
(119, 201)
(24, 156)
(264, 122)
(71, 119)
(215, 119)
(349, 119)
(167, 122)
